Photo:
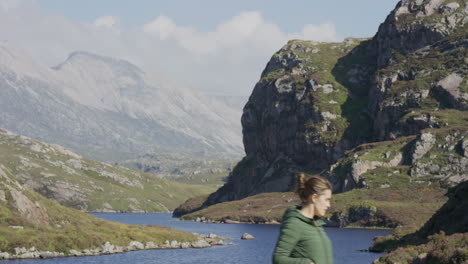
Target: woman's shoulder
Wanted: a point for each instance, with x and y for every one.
(292, 213)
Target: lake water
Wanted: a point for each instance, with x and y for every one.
(346, 244)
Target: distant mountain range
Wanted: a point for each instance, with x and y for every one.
(109, 109)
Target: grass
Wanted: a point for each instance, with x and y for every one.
(409, 207)
(87, 184)
(67, 228)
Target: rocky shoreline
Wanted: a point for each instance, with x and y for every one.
(203, 241)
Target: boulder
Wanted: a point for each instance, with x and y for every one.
(247, 236)
(423, 145)
(200, 244)
(136, 245)
(449, 87)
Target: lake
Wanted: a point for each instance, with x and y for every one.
(346, 244)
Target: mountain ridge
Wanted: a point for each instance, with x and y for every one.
(111, 112)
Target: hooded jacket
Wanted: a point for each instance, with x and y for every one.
(302, 240)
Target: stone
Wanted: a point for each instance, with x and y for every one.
(74, 252)
(48, 254)
(449, 8)
(19, 250)
(465, 147)
(108, 247)
(135, 245)
(27, 208)
(423, 145)
(150, 244)
(200, 244)
(211, 235)
(328, 116)
(4, 255)
(174, 244)
(16, 227)
(247, 236)
(431, 6)
(185, 245)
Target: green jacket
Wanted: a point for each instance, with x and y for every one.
(302, 240)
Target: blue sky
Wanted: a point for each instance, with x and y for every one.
(215, 46)
(358, 18)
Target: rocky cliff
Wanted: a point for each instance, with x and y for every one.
(316, 101)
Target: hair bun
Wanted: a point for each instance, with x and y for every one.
(301, 180)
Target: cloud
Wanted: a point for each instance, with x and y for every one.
(161, 26)
(106, 21)
(241, 31)
(322, 32)
(226, 60)
(8, 5)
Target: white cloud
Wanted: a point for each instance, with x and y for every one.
(239, 28)
(322, 32)
(8, 5)
(106, 21)
(162, 26)
(226, 60)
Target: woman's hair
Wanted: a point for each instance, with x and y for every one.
(312, 185)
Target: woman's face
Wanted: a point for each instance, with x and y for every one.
(321, 202)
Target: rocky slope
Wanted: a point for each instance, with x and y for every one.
(74, 181)
(184, 168)
(32, 226)
(109, 109)
(316, 101)
(443, 239)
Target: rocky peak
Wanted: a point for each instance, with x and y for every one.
(314, 101)
(414, 24)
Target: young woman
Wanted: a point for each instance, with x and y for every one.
(302, 239)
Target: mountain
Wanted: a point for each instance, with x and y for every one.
(68, 178)
(110, 109)
(362, 110)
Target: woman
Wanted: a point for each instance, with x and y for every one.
(302, 239)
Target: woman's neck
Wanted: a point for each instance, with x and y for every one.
(308, 210)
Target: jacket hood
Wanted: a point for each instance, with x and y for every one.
(294, 212)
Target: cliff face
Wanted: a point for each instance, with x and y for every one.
(421, 56)
(315, 101)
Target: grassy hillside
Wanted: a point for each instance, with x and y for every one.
(443, 239)
(27, 219)
(408, 208)
(73, 181)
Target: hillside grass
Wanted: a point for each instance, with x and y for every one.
(90, 185)
(407, 207)
(68, 228)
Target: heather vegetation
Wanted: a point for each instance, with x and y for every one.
(442, 239)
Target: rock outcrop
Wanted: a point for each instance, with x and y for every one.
(316, 101)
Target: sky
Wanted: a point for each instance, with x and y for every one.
(214, 46)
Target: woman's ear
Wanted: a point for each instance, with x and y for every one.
(313, 198)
